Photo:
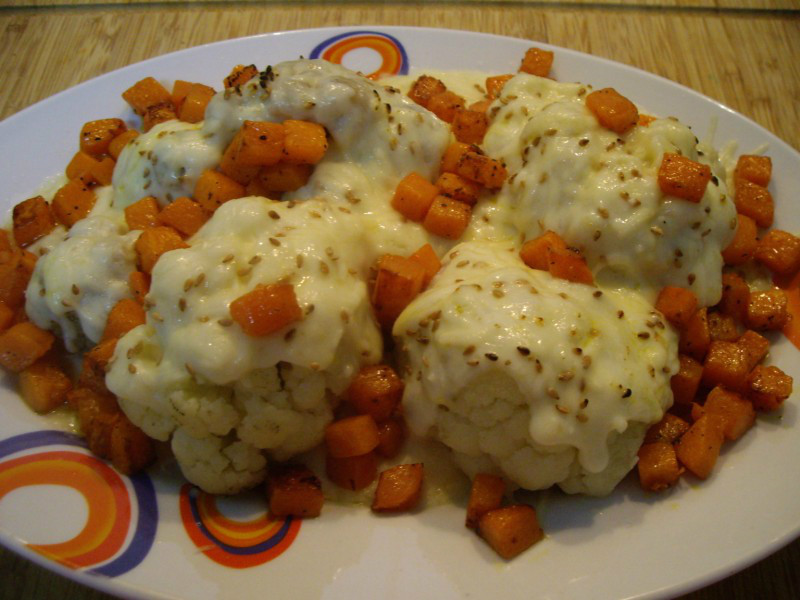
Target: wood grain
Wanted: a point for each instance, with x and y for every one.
(744, 53)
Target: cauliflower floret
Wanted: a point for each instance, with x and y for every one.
(218, 465)
(545, 381)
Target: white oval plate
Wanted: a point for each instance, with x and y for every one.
(127, 536)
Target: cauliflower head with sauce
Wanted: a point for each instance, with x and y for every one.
(542, 380)
(227, 398)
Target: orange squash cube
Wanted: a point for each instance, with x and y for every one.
(485, 494)
(779, 251)
(239, 75)
(44, 385)
(391, 435)
(15, 273)
(469, 126)
(375, 391)
(258, 143)
(755, 347)
(737, 414)
(669, 429)
(399, 488)
(184, 215)
(755, 169)
(97, 135)
(352, 473)
(285, 177)
(118, 143)
(139, 283)
(266, 309)
(452, 155)
(725, 365)
(495, 84)
(767, 310)
(722, 327)
(351, 436)
(536, 252)
(754, 201)
(414, 196)
(424, 88)
(537, 62)
(735, 296)
(685, 382)
(658, 466)
(445, 104)
(129, 449)
(569, 265)
(305, 142)
(124, 316)
(142, 214)
(683, 178)
(193, 107)
(744, 243)
(489, 172)
(90, 169)
(154, 242)
(6, 317)
(510, 530)
(214, 189)
(768, 387)
(398, 282)
(33, 219)
(677, 304)
(294, 490)
(426, 256)
(613, 110)
(22, 345)
(447, 218)
(458, 188)
(72, 202)
(145, 94)
(695, 338)
(698, 448)
(94, 365)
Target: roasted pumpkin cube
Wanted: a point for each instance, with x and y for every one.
(184, 215)
(305, 142)
(145, 94)
(266, 309)
(125, 315)
(353, 472)
(214, 189)
(755, 347)
(696, 336)
(489, 172)
(130, 450)
(16, 268)
(537, 61)
(285, 177)
(677, 304)
(496, 83)
(399, 488)
(469, 126)
(44, 385)
(744, 242)
(398, 282)
(735, 296)
(569, 265)
(139, 284)
(458, 188)
(391, 435)
(193, 107)
(153, 243)
(294, 490)
(767, 310)
(725, 365)
(736, 412)
(426, 257)
(414, 196)
(683, 178)
(658, 466)
(685, 382)
(612, 110)
(447, 218)
(376, 391)
(97, 135)
(118, 143)
(23, 344)
(510, 530)
(754, 201)
(722, 327)
(72, 202)
(756, 169)
(779, 251)
(452, 156)
(94, 366)
(698, 448)
(33, 219)
(445, 105)
(768, 387)
(239, 75)
(142, 214)
(485, 494)
(536, 252)
(351, 436)
(669, 429)
(424, 88)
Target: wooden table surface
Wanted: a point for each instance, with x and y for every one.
(744, 53)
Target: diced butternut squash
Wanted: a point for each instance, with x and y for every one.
(239, 75)
(677, 304)
(214, 189)
(744, 243)
(510, 530)
(375, 391)
(142, 214)
(469, 126)
(669, 429)
(735, 296)
(725, 365)
(755, 347)
(722, 327)
(754, 201)
(145, 94)
(118, 143)
(398, 282)
(154, 242)
(612, 110)
(123, 316)
(779, 251)
(97, 415)
(305, 143)
(685, 382)
(424, 88)
(193, 107)
(158, 113)
(266, 309)
(352, 473)
(768, 387)
(399, 488)
(16, 268)
(767, 310)
(445, 105)
(696, 336)
(180, 89)
(698, 448)
(351, 436)
(285, 177)
(485, 494)
(496, 83)
(569, 265)
(489, 172)
(458, 188)
(33, 219)
(6, 317)
(130, 449)
(536, 252)
(755, 169)
(537, 62)
(44, 385)
(91, 170)
(5, 241)
(258, 143)
(295, 491)
(737, 414)
(72, 202)
(391, 435)
(658, 466)
(481, 106)
(97, 135)
(139, 283)
(184, 215)
(426, 256)
(447, 218)
(414, 196)
(94, 366)
(683, 178)
(23, 344)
